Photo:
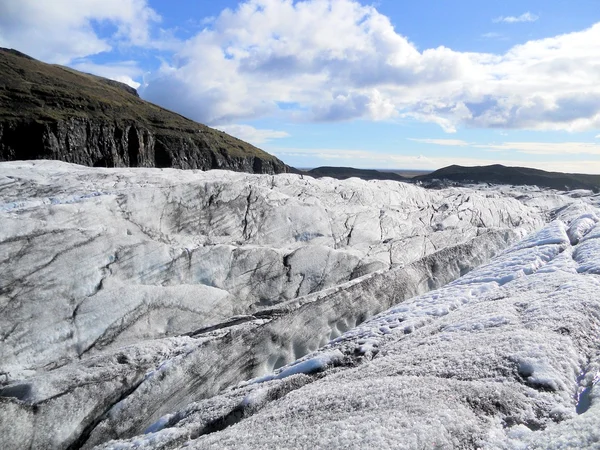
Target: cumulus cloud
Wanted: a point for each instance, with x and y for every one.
(61, 30)
(525, 17)
(251, 134)
(333, 58)
(340, 60)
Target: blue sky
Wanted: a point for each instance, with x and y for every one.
(387, 84)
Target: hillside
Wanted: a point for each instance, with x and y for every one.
(499, 174)
(343, 173)
(54, 112)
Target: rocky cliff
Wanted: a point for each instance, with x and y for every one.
(53, 112)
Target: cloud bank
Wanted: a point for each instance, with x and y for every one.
(60, 31)
(340, 60)
(532, 148)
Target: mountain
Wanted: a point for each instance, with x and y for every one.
(343, 173)
(499, 174)
(54, 112)
(165, 308)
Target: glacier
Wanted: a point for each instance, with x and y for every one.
(158, 308)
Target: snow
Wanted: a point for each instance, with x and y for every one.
(306, 366)
(586, 256)
(554, 233)
(581, 227)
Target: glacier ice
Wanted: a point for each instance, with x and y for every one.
(156, 308)
(502, 367)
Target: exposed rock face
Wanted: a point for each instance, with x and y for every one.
(52, 112)
(93, 142)
(127, 295)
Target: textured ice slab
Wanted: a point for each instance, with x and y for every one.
(128, 294)
(114, 256)
(480, 363)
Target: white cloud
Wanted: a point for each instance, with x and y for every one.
(331, 57)
(126, 80)
(123, 71)
(340, 60)
(493, 35)
(353, 158)
(526, 17)
(59, 31)
(374, 160)
(447, 142)
(253, 135)
(546, 148)
(448, 125)
(533, 148)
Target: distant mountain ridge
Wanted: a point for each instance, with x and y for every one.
(499, 174)
(342, 173)
(54, 112)
(493, 174)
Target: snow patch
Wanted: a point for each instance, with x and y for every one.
(306, 366)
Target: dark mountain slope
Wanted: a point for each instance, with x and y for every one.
(498, 174)
(341, 173)
(53, 112)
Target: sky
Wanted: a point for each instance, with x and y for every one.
(390, 84)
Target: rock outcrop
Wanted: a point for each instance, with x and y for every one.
(53, 112)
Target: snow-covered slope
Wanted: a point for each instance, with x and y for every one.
(505, 357)
(133, 300)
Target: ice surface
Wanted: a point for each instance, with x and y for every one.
(307, 366)
(142, 301)
(482, 364)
